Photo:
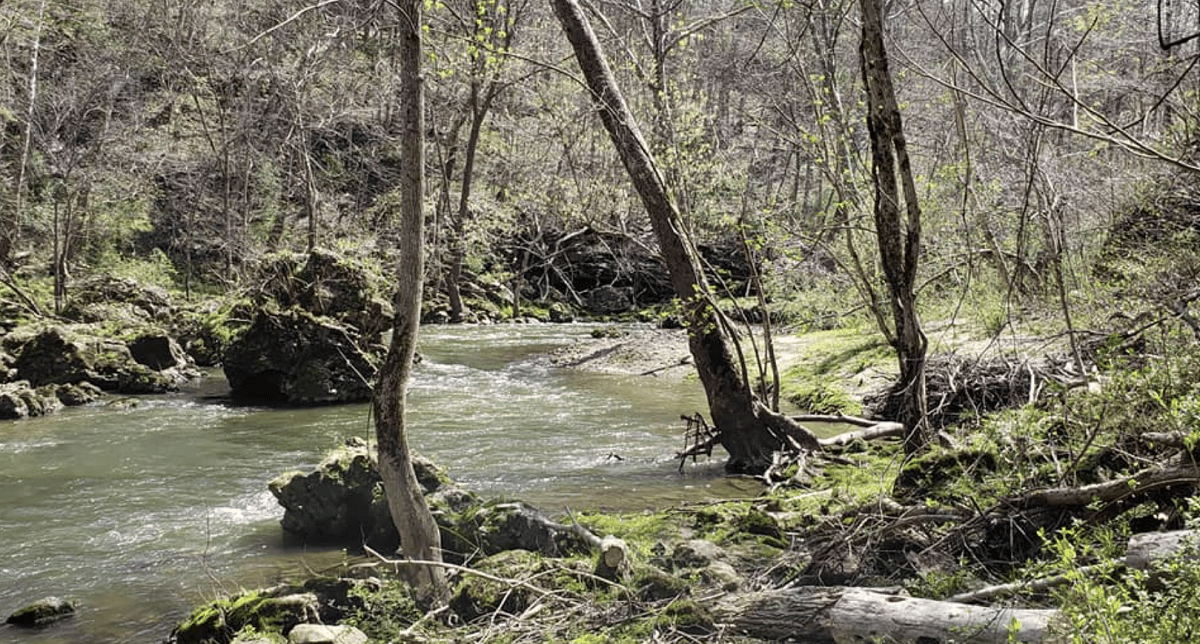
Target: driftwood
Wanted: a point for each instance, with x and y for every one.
(879, 430)
(612, 562)
(840, 615)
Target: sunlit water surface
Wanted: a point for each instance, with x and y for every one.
(139, 513)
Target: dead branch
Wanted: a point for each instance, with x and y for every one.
(400, 563)
(1109, 491)
(835, 418)
(1165, 439)
(698, 439)
(27, 301)
(1033, 585)
(886, 429)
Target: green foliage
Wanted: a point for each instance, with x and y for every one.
(1112, 605)
(152, 268)
(938, 584)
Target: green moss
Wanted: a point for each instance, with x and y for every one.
(685, 616)
(382, 612)
(817, 394)
(266, 611)
(639, 530)
(477, 596)
(828, 363)
(204, 624)
(591, 638)
(652, 584)
(757, 522)
(948, 470)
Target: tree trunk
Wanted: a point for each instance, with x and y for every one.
(10, 232)
(839, 615)
(419, 536)
(899, 234)
(479, 107)
(748, 430)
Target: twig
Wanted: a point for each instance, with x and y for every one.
(1035, 585)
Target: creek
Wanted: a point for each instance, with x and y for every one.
(138, 510)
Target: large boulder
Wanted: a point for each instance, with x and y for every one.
(342, 500)
(298, 358)
(73, 354)
(331, 285)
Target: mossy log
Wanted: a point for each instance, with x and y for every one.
(841, 615)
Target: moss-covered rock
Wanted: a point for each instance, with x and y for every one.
(342, 500)
(652, 584)
(73, 354)
(42, 612)
(105, 298)
(495, 527)
(332, 285)
(685, 616)
(476, 596)
(270, 611)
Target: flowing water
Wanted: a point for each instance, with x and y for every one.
(138, 512)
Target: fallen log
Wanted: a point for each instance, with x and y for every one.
(1147, 548)
(1108, 491)
(842, 615)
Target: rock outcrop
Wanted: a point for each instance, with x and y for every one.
(78, 353)
(111, 299)
(298, 358)
(20, 400)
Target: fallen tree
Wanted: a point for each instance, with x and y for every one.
(841, 615)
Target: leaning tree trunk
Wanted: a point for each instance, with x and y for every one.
(419, 536)
(899, 236)
(749, 431)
